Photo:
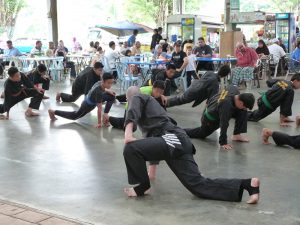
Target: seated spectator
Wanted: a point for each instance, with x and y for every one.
(63, 51)
(51, 50)
(136, 49)
(179, 59)
(11, 51)
(92, 48)
(296, 54)
(205, 51)
(112, 55)
(98, 56)
(96, 45)
(262, 49)
(166, 48)
(124, 48)
(276, 50)
(37, 50)
(246, 62)
(159, 54)
(281, 44)
(76, 46)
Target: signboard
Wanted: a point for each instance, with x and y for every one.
(187, 21)
(247, 17)
(204, 32)
(234, 4)
(280, 16)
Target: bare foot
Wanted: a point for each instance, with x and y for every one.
(298, 120)
(130, 192)
(282, 124)
(45, 97)
(288, 120)
(52, 114)
(265, 134)
(58, 97)
(255, 197)
(239, 138)
(30, 113)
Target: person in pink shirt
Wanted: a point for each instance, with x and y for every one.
(246, 63)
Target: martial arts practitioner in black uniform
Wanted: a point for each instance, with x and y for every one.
(163, 140)
(156, 91)
(17, 88)
(40, 76)
(280, 138)
(83, 83)
(229, 103)
(201, 89)
(95, 97)
(281, 94)
(164, 75)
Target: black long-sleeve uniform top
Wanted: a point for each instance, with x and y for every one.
(281, 91)
(15, 88)
(144, 111)
(85, 81)
(204, 88)
(222, 107)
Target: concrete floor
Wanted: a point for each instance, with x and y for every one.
(73, 169)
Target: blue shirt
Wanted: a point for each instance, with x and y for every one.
(131, 41)
(12, 52)
(296, 56)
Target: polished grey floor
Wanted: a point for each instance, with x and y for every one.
(73, 169)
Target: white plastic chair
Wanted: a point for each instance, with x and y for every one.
(181, 81)
(56, 68)
(126, 79)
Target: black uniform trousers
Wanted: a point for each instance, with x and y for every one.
(263, 111)
(209, 126)
(260, 113)
(71, 97)
(189, 75)
(35, 101)
(85, 108)
(285, 139)
(191, 94)
(136, 154)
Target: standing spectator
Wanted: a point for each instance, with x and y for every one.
(132, 38)
(154, 40)
(159, 34)
(76, 45)
(51, 50)
(281, 44)
(276, 50)
(112, 55)
(246, 62)
(37, 50)
(136, 49)
(191, 66)
(262, 49)
(205, 51)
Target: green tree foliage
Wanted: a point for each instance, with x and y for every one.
(152, 12)
(193, 6)
(9, 10)
(286, 5)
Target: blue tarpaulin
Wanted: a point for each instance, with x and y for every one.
(123, 28)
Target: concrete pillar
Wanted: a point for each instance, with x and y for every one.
(52, 21)
(228, 25)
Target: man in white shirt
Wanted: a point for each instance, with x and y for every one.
(112, 55)
(276, 50)
(37, 50)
